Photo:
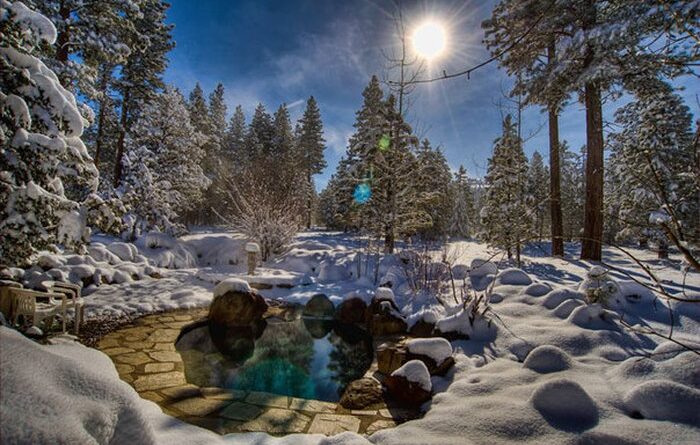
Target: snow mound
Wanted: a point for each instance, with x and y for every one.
(384, 293)
(416, 372)
(538, 289)
(565, 404)
(77, 403)
(231, 285)
(481, 267)
(460, 271)
(164, 250)
(565, 309)
(592, 316)
(124, 251)
(513, 277)
(330, 272)
(547, 358)
(557, 296)
(439, 349)
(664, 400)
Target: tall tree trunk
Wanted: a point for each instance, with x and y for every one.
(62, 40)
(555, 174)
(309, 202)
(120, 142)
(591, 248)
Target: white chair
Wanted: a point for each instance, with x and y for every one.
(73, 300)
(42, 307)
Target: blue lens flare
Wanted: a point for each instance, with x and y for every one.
(362, 193)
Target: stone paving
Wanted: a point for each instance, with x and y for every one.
(145, 357)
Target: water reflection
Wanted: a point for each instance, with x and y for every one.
(307, 358)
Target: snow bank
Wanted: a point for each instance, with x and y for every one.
(437, 348)
(231, 285)
(513, 277)
(565, 403)
(416, 372)
(547, 358)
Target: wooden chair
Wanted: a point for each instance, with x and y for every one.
(73, 300)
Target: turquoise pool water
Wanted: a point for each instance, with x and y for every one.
(306, 358)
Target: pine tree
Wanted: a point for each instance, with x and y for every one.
(141, 74)
(538, 191)
(506, 214)
(433, 180)
(257, 144)
(47, 171)
(573, 190)
(310, 146)
(235, 137)
(164, 175)
(463, 214)
(654, 157)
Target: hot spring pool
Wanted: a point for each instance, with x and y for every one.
(305, 358)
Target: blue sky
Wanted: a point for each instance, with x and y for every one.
(284, 51)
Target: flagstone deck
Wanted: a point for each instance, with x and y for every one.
(145, 357)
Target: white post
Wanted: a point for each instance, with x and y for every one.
(253, 249)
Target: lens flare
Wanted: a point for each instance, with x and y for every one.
(362, 193)
(429, 40)
(384, 142)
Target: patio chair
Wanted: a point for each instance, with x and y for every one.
(5, 300)
(42, 307)
(73, 300)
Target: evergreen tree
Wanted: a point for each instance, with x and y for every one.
(47, 171)
(257, 144)
(164, 174)
(573, 191)
(433, 180)
(506, 214)
(538, 192)
(310, 146)
(463, 205)
(141, 74)
(235, 137)
(654, 163)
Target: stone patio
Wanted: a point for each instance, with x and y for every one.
(145, 357)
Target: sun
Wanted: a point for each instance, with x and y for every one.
(429, 40)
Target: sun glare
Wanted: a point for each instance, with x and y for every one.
(429, 40)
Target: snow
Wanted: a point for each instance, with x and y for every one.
(252, 248)
(438, 348)
(513, 276)
(40, 25)
(416, 372)
(384, 294)
(549, 369)
(231, 285)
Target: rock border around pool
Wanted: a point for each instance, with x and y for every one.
(145, 357)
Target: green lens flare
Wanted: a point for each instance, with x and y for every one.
(384, 143)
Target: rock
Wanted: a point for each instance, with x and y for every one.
(319, 306)
(318, 328)
(410, 384)
(237, 308)
(390, 357)
(422, 328)
(547, 358)
(236, 342)
(351, 311)
(332, 424)
(382, 317)
(361, 394)
(435, 353)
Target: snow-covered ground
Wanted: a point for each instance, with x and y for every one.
(554, 372)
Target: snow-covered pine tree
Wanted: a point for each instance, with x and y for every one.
(573, 191)
(140, 79)
(432, 180)
(235, 137)
(654, 162)
(462, 205)
(538, 191)
(257, 144)
(310, 146)
(506, 215)
(43, 159)
(165, 177)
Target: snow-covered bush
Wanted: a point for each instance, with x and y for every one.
(45, 170)
(598, 286)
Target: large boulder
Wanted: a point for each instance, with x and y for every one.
(383, 317)
(390, 357)
(319, 306)
(351, 311)
(410, 384)
(362, 393)
(236, 304)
